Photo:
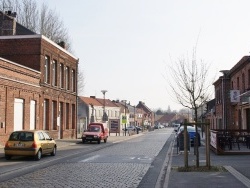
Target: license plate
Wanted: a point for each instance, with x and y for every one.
(19, 145)
(88, 138)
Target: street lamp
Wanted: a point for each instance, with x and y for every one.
(224, 109)
(104, 117)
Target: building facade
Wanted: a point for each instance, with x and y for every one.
(232, 107)
(19, 98)
(56, 104)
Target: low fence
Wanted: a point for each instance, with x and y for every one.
(228, 142)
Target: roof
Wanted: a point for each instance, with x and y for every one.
(241, 63)
(144, 107)
(108, 103)
(97, 101)
(167, 118)
(90, 101)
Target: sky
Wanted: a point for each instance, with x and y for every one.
(125, 46)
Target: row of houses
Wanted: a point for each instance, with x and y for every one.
(119, 114)
(38, 87)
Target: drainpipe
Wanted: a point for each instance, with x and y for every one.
(224, 109)
(76, 87)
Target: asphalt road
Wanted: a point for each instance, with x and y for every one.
(129, 163)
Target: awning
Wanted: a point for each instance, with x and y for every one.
(246, 94)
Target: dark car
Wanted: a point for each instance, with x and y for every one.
(156, 127)
(192, 134)
(138, 128)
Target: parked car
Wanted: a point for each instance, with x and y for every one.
(138, 128)
(129, 128)
(192, 134)
(161, 126)
(176, 127)
(156, 127)
(29, 143)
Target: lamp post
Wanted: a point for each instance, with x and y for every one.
(224, 109)
(104, 117)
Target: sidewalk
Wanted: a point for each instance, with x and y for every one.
(237, 172)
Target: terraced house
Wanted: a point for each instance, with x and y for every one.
(43, 93)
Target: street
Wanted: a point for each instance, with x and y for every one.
(124, 164)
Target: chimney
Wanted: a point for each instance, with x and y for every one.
(8, 23)
(62, 44)
(93, 97)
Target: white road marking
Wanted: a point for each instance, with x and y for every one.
(90, 158)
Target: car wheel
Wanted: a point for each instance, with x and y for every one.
(53, 153)
(7, 157)
(38, 155)
(99, 141)
(105, 140)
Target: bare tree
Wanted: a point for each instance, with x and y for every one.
(80, 82)
(189, 85)
(43, 21)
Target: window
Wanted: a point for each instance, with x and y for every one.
(67, 78)
(54, 73)
(54, 115)
(46, 136)
(249, 78)
(243, 82)
(61, 114)
(67, 116)
(46, 70)
(238, 83)
(61, 75)
(73, 80)
(41, 136)
(73, 116)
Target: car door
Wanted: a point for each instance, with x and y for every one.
(43, 142)
(50, 143)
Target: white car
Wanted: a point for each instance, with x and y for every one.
(176, 127)
(160, 126)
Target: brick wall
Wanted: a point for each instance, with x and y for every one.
(31, 51)
(16, 82)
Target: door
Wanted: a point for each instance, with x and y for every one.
(32, 114)
(18, 114)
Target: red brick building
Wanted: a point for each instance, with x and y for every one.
(56, 105)
(232, 107)
(19, 87)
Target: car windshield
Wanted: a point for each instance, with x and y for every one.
(21, 136)
(189, 129)
(94, 129)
